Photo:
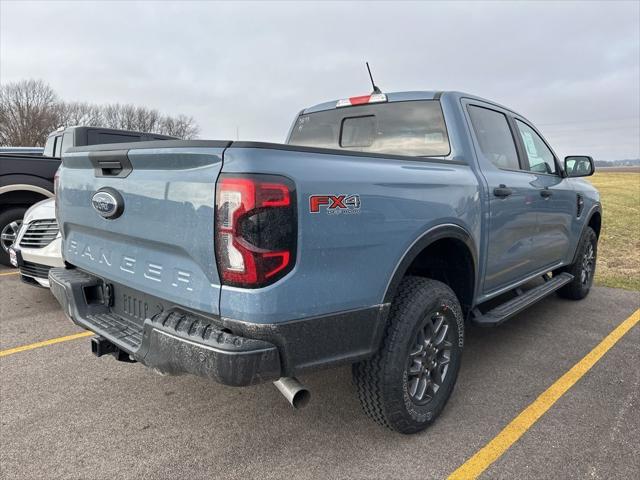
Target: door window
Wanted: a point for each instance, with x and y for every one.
(494, 136)
(541, 159)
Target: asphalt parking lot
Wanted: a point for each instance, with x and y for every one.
(67, 414)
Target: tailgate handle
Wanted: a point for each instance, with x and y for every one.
(110, 168)
(111, 163)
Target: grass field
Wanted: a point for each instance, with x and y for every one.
(619, 247)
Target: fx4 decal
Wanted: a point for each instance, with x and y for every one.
(335, 204)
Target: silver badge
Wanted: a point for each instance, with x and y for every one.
(108, 203)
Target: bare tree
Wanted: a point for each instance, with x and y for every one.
(30, 110)
(111, 116)
(180, 126)
(28, 113)
(144, 119)
(80, 113)
(148, 120)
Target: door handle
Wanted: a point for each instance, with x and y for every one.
(546, 193)
(502, 191)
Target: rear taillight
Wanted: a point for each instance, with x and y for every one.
(256, 229)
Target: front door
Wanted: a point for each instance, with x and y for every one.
(555, 204)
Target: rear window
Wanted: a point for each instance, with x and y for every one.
(413, 128)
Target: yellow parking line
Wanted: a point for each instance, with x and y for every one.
(493, 450)
(9, 273)
(53, 341)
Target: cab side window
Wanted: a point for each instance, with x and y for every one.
(57, 150)
(67, 142)
(494, 136)
(540, 157)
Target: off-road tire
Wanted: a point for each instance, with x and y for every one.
(577, 288)
(6, 217)
(382, 381)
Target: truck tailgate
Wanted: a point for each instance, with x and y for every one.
(162, 241)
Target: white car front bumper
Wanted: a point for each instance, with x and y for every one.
(38, 246)
(37, 261)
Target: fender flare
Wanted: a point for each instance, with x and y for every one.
(449, 230)
(596, 208)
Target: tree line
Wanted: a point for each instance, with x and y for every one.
(31, 109)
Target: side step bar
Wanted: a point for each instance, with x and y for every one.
(508, 309)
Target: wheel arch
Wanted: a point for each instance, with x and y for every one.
(416, 260)
(594, 220)
(22, 195)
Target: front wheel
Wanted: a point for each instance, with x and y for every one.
(409, 380)
(583, 269)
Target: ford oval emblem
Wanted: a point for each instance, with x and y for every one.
(108, 203)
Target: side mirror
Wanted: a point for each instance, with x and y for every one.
(579, 166)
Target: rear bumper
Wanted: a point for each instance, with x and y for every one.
(173, 341)
(232, 352)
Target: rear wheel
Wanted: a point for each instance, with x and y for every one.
(409, 380)
(583, 269)
(10, 221)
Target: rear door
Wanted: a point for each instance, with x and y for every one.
(160, 239)
(512, 195)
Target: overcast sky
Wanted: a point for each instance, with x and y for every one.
(572, 68)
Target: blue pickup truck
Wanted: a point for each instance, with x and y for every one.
(384, 225)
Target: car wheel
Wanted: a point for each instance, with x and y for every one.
(584, 268)
(10, 221)
(407, 383)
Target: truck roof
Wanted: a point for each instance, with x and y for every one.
(410, 95)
